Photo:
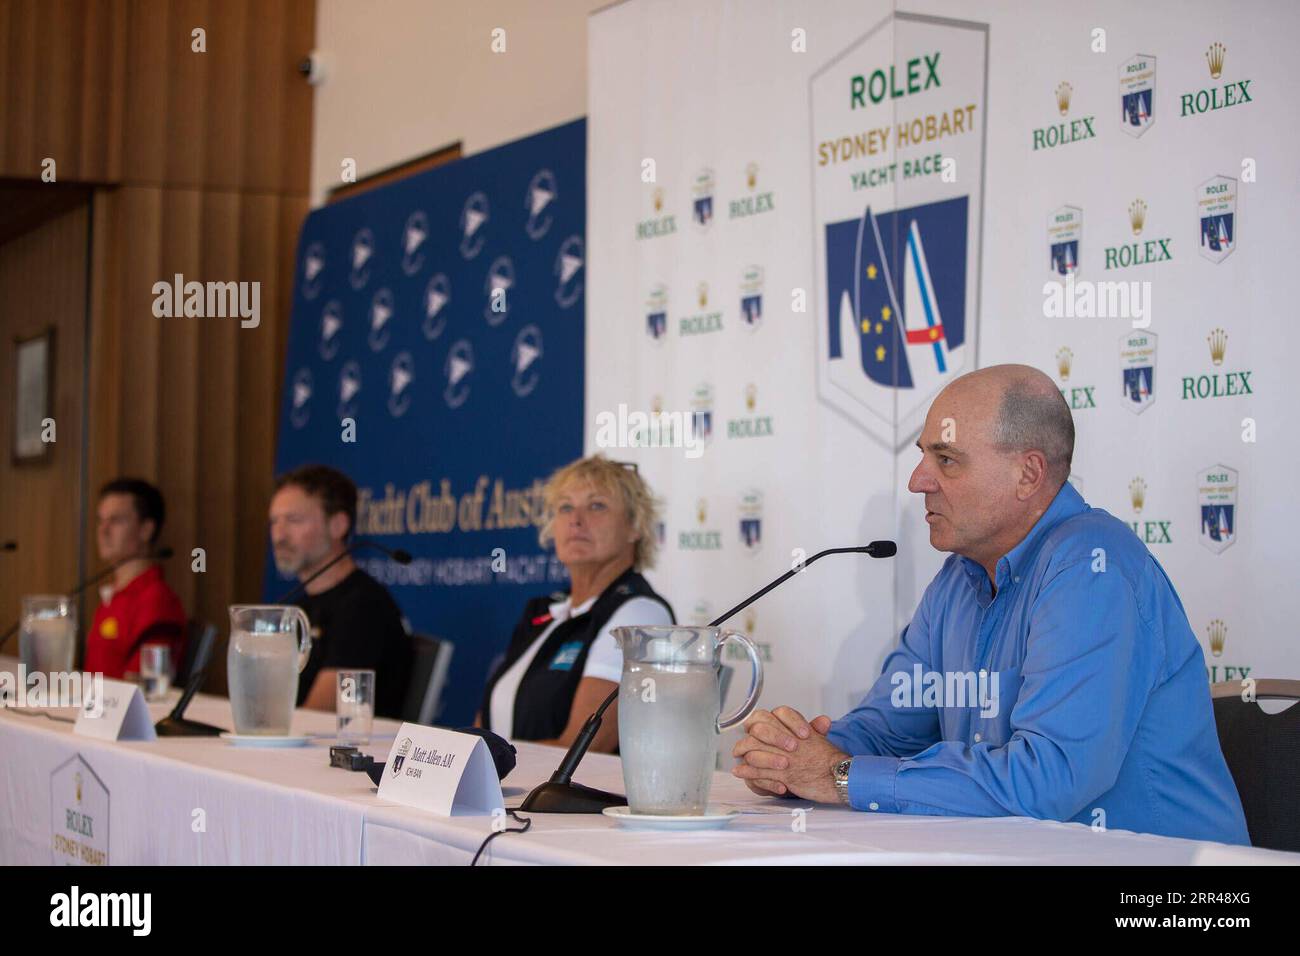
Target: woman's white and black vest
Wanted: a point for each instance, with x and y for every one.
(545, 695)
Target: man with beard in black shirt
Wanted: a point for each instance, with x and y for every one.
(355, 622)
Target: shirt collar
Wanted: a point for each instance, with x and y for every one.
(563, 610)
(147, 576)
(1067, 503)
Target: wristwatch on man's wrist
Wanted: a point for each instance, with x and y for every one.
(841, 773)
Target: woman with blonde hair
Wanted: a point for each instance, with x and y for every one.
(562, 660)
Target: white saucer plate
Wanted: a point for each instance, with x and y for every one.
(714, 818)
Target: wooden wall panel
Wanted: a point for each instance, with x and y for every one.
(191, 403)
(140, 334)
(229, 81)
(62, 72)
(113, 90)
(145, 142)
(200, 163)
(43, 283)
(18, 89)
(103, 50)
(272, 227)
(180, 374)
(237, 116)
(220, 444)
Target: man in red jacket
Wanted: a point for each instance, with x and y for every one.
(138, 607)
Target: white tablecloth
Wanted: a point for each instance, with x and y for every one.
(290, 807)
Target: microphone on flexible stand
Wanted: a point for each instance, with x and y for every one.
(561, 795)
(397, 554)
(159, 554)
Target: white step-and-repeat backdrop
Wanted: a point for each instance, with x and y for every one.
(805, 218)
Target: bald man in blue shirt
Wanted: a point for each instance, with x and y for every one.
(1049, 670)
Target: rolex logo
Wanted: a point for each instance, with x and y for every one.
(1137, 492)
(703, 292)
(1214, 58)
(1137, 215)
(701, 510)
(659, 199)
(751, 621)
(1063, 92)
(751, 175)
(1064, 358)
(77, 779)
(1217, 632)
(751, 396)
(1218, 340)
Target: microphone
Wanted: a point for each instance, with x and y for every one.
(158, 554)
(877, 549)
(397, 554)
(561, 795)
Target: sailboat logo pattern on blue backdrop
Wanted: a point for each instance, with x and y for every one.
(542, 191)
(417, 230)
(568, 270)
(436, 357)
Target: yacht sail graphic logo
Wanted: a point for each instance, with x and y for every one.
(1064, 232)
(887, 312)
(896, 303)
(1137, 92)
(1137, 360)
(1217, 493)
(1216, 204)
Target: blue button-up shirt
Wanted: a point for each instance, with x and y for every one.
(1077, 692)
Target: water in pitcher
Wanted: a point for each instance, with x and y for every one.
(263, 683)
(668, 736)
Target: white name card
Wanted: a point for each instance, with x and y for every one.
(124, 714)
(442, 771)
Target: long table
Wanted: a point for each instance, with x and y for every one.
(200, 800)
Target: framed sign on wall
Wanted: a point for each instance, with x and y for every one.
(33, 396)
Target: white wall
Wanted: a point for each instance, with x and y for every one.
(410, 76)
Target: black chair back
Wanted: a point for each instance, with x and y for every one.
(1263, 754)
(430, 660)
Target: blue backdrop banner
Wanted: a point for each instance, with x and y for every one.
(436, 356)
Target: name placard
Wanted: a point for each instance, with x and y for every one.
(119, 714)
(442, 771)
